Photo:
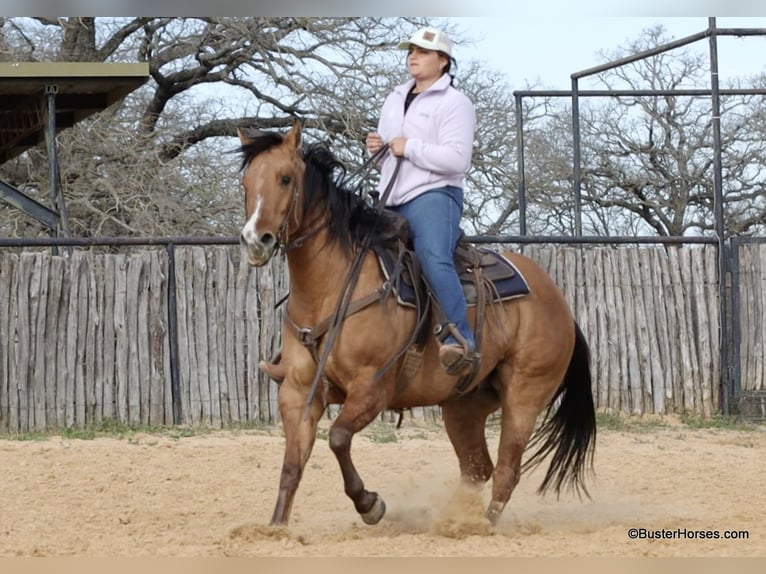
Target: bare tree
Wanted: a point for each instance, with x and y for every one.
(648, 161)
(156, 163)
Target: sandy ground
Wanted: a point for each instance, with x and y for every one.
(213, 494)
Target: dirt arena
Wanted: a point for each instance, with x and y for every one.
(212, 495)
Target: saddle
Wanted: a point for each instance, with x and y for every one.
(485, 275)
(496, 274)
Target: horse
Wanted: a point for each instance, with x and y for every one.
(534, 357)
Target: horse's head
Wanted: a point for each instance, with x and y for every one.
(272, 177)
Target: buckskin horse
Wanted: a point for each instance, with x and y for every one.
(534, 362)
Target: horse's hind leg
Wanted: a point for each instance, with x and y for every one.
(299, 440)
(359, 410)
(465, 420)
(522, 401)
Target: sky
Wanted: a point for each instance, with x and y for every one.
(544, 52)
(518, 10)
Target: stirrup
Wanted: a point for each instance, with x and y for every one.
(460, 363)
(464, 354)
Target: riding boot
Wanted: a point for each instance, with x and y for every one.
(456, 358)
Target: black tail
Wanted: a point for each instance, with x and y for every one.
(569, 430)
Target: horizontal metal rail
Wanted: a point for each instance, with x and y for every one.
(519, 239)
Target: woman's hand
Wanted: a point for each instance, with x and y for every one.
(397, 146)
(373, 142)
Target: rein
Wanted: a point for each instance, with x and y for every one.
(344, 299)
(361, 173)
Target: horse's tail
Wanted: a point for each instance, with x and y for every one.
(569, 427)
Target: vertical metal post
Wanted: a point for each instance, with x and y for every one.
(576, 155)
(175, 387)
(724, 339)
(50, 141)
(522, 178)
(56, 195)
(577, 188)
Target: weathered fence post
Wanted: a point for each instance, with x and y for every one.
(175, 390)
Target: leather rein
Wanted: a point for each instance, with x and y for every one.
(282, 233)
(310, 337)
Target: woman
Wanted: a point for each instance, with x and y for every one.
(430, 124)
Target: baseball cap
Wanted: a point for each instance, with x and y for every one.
(429, 39)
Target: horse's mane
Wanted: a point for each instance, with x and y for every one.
(350, 218)
(258, 143)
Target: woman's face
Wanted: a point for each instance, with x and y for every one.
(425, 64)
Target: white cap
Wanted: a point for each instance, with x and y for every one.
(429, 39)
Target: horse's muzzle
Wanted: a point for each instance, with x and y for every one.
(258, 252)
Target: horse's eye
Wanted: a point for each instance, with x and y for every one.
(286, 179)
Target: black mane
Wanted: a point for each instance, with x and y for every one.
(259, 143)
(350, 218)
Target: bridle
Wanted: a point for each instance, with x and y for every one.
(282, 234)
(282, 237)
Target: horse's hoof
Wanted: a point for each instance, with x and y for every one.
(494, 510)
(374, 514)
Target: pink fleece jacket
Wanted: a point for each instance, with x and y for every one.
(439, 126)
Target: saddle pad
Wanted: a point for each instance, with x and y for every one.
(510, 286)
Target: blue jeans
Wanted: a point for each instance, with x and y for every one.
(434, 219)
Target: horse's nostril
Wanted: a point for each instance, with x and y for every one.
(267, 240)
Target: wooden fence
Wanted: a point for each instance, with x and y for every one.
(651, 318)
(752, 293)
(86, 338)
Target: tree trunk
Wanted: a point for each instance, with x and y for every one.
(79, 43)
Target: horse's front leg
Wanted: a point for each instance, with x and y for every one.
(359, 409)
(300, 433)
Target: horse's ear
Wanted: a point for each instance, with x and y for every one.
(243, 137)
(293, 137)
